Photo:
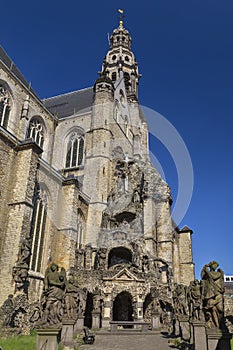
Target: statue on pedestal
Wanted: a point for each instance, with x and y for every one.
(53, 296)
(180, 299)
(71, 298)
(213, 290)
(195, 300)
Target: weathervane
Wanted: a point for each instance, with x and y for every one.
(121, 12)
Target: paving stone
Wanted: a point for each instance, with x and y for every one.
(128, 342)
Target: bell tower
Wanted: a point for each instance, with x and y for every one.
(120, 60)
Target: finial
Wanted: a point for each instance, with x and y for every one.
(121, 12)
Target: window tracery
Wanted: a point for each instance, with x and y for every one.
(36, 131)
(38, 230)
(5, 106)
(75, 151)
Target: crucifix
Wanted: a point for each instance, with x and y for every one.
(121, 12)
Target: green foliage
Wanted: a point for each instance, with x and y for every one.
(232, 344)
(20, 342)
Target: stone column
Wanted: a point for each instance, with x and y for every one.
(184, 327)
(95, 319)
(199, 335)
(67, 334)
(107, 311)
(47, 338)
(79, 324)
(176, 327)
(88, 257)
(218, 339)
(139, 308)
(67, 235)
(155, 317)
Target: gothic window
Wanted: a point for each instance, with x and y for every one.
(36, 131)
(38, 230)
(75, 151)
(4, 106)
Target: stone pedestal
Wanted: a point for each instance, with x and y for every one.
(155, 318)
(184, 327)
(67, 334)
(105, 322)
(47, 338)
(176, 327)
(199, 335)
(218, 339)
(95, 319)
(79, 324)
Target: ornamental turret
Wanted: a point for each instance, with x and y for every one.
(121, 58)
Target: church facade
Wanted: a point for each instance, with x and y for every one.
(77, 188)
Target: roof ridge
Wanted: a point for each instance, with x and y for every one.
(67, 93)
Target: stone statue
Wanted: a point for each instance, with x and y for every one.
(101, 258)
(53, 296)
(155, 306)
(20, 276)
(195, 300)
(96, 300)
(35, 313)
(7, 310)
(180, 299)
(145, 263)
(20, 270)
(24, 252)
(136, 197)
(71, 298)
(213, 290)
(82, 297)
(79, 254)
(137, 256)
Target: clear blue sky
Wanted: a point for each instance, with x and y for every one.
(185, 54)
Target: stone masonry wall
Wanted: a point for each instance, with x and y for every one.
(19, 213)
(7, 156)
(185, 255)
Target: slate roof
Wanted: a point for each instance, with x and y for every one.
(11, 66)
(79, 101)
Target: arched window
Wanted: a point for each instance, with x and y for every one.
(36, 131)
(4, 106)
(75, 150)
(38, 230)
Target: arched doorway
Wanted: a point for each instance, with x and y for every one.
(123, 307)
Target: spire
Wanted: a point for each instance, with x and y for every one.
(120, 58)
(121, 12)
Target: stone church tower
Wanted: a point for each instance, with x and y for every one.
(77, 187)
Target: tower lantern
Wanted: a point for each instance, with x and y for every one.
(121, 58)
